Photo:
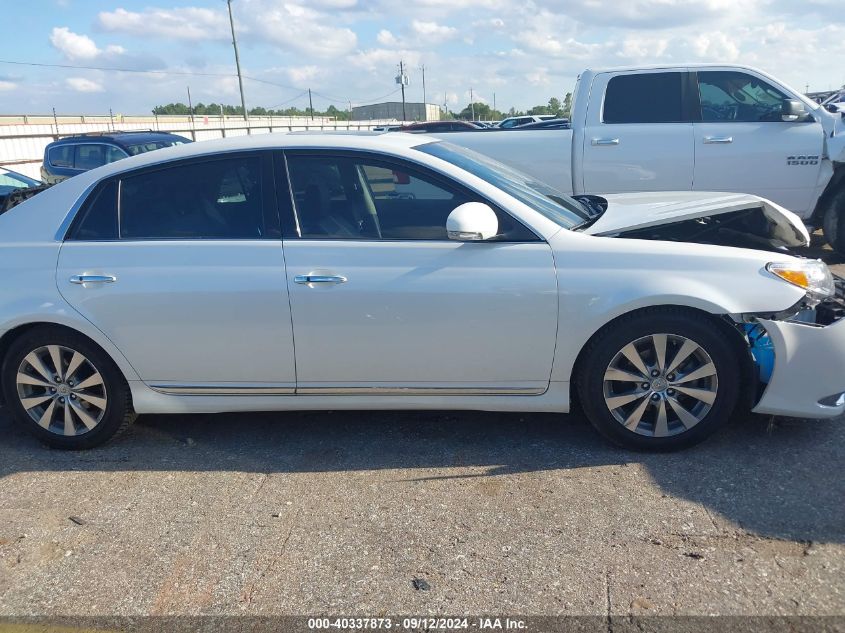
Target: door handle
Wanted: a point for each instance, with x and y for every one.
(320, 279)
(720, 140)
(93, 279)
(605, 141)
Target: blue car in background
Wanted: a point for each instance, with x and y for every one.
(75, 154)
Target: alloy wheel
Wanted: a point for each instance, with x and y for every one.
(660, 385)
(61, 390)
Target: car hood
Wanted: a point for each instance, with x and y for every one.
(636, 211)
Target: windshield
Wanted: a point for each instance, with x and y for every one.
(556, 206)
(10, 181)
(150, 146)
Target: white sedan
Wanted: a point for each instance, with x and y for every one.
(308, 271)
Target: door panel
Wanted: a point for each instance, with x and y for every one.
(743, 145)
(423, 315)
(777, 161)
(638, 137)
(190, 312)
(646, 157)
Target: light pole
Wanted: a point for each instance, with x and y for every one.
(237, 59)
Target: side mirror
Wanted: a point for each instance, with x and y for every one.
(472, 222)
(792, 110)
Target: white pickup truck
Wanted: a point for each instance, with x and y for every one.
(692, 127)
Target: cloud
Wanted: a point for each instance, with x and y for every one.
(386, 38)
(184, 23)
(432, 32)
(297, 28)
(72, 45)
(81, 84)
(303, 74)
(7, 85)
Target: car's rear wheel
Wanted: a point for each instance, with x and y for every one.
(659, 380)
(65, 390)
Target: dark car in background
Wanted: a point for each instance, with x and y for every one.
(76, 154)
(15, 188)
(440, 126)
(547, 124)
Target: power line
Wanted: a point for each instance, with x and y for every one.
(192, 74)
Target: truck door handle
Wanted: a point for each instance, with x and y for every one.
(718, 139)
(320, 279)
(93, 279)
(605, 141)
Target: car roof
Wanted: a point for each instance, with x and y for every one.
(119, 138)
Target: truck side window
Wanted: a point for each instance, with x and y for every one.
(644, 98)
(738, 97)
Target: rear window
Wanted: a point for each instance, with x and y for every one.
(644, 98)
(61, 156)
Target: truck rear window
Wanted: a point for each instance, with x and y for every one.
(644, 98)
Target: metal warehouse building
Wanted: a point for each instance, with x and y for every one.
(393, 110)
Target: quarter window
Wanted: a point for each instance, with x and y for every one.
(644, 98)
(738, 97)
(349, 198)
(97, 220)
(218, 199)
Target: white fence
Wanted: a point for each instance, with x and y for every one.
(23, 138)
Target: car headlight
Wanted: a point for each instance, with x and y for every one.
(812, 275)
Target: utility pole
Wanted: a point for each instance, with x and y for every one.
(471, 104)
(190, 107)
(401, 80)
(425, 107)
(310, 104)
(494, 105)
(237, 59)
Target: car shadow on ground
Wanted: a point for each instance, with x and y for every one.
(781, 480)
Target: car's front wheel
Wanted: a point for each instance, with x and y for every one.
(659, 380)
(65, 390)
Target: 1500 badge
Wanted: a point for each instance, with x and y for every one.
(802, 160)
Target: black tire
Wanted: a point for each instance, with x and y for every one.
(118, 414)
(679, 322)
(834, 225)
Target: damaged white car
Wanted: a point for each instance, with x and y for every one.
(292, 272)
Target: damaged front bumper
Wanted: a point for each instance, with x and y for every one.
(808, 377)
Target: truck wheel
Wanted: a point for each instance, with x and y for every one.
(659, 380)
(834, 224)
(65, 390)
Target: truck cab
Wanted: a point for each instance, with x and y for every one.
(705, 128)
(690, 127)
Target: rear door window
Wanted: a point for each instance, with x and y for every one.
(644, 98)
(89, 156)
(212, 199)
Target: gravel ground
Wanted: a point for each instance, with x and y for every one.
(421, 513)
